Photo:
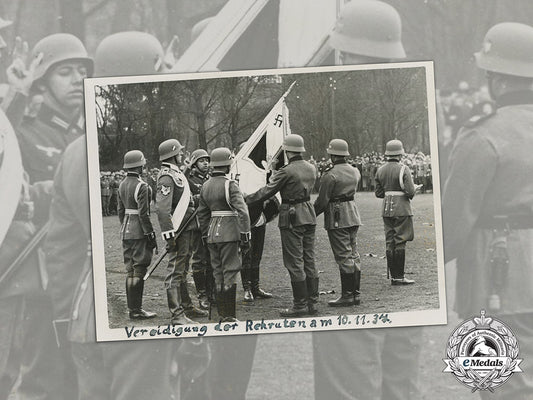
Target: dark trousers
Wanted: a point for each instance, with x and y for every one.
(298, 248)
(252, 259)
(226, 262)
(343, 243)
(137, 256)
(398, 231)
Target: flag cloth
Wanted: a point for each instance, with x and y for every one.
(252, 164)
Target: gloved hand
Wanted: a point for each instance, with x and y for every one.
(152, 241)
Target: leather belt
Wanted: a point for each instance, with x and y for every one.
(506, 222)
(342, 199)
(132, 211)
(394, 193)
(223, 214)
(295, 201)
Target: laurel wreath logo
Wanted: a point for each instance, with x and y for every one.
(470, 377)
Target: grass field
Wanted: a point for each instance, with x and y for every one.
(283, 363)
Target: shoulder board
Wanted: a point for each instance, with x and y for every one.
(478, 119)
(328, 168)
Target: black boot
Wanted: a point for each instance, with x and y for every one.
(312, 295)
(134, 295)
(247, 285)
(357, 288)
(190, 310)
(200, 284)
(390, 264)
(229, 304)
(210, 286)
(221, 303)
(177, 312)
(256, 290)
(347, 292)
(299, 307)
(399, 261)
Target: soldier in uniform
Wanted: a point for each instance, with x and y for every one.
(137, 233)
(394, 184)
(225, 225)
(105, 191)
(297, 223)
(366, 32)
(341, 220)
(488, 197)
(58, 78)
(175, 208)
(202, 272)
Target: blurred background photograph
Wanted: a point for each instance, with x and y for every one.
(482, 53)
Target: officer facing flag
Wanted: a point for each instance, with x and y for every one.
(297, 223)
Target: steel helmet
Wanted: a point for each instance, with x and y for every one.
(134, 158)
(197, 154)
(128, 53)
(169, 148)
(294, 143)
(394, 148)
(507, 49)
(221, 157)
(57, 48)
(369, 28)
(338, 147)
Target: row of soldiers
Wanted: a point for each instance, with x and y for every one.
(368, 164)
(206, 221)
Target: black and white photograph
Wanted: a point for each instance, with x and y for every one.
(240, 203)
(481, 51)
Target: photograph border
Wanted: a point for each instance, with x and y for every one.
(395, 319)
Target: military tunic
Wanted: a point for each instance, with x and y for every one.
(172, 185)
(297, 218)
(134, 215)
(43, 139)
(223, 217)
(199, 253)
(341, 217)
(394, 184)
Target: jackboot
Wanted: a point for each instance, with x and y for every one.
(347, 292)
(256, 290)
(229, 304)
(201, 291)
(357, 288)
(299, 307)
(391, 272)
(221, 303)
(134, 296)
(247, 285)
(312, 295)
(399, 261)
(190, 310)
(177, 312)
(210, 286)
